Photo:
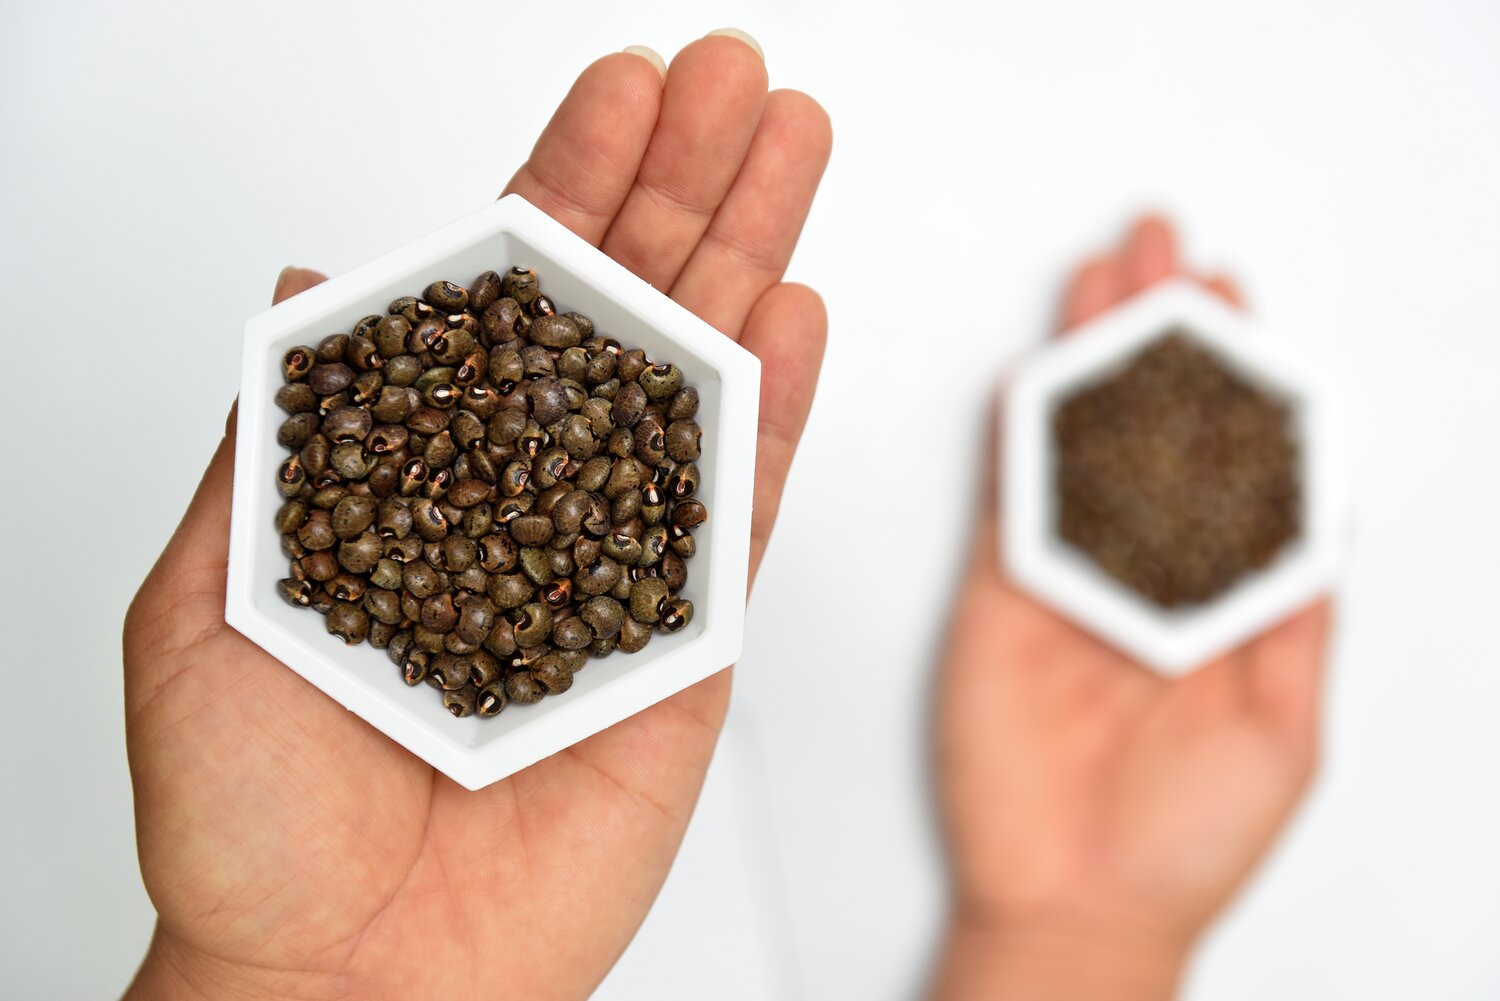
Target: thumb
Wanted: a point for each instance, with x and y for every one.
(184, 593)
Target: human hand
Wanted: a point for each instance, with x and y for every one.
(292, 850)
(1099, 814)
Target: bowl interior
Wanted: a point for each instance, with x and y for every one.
(370, 668)
(1299, 427)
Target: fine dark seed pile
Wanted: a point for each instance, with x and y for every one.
(487, 489)
(1175, 475)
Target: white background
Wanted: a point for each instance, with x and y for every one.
(160, 163)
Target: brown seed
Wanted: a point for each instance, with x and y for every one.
(634, 635)
(349, 622)
(421, 579)
(352, 515)
(427, 420)
(510, 590)
(467, 493)
(458, 553)
(415, 665)
(684, 440)
(492, 699)
(462, 701)
(557, 593)
(440, 450)
(523, 687)
(549, 401)
(647, 596)
(624, 476)
(496, 552)
(383, 606)
(631, 364)
(650, 441)
(297, 363)
(290, 516)
(603, 615)
(550, 466)
(532, 529)
(448, 671)
(296, 429)
(360, 555)
(568, 513)
(689, 513)
(654, 541)
(319, 566)
(362, 355)
(672, 569)
(554, 332)
(453, 643)
(684, 404)
(501, 640)
(599, 577)
(331, 348)
(351, 460)
(296, 592)
(316, 532)
(466, 429)
(297, 398)
(571, 633)
(514, 477)
(427, 520)
(476, 618)
(676, 614)
(552, 674)
(438, 613)
(436, 490)
(593, 474)
(484, 291)
(682, 542)
(446, 297)
(328, 379)
(503, 319)
(628, 405)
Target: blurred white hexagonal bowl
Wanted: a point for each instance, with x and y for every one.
(577, 276)
(1037, 558)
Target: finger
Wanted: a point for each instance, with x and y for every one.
(787, 330)
(1225, 288)
(586, 158)
(1150, 254)
(747, 245)
(188, 578)
(1096, 286)
(292, 281)
(715, 92)
(1287, 672)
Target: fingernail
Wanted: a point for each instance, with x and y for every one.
(650, 55)
(743, 36)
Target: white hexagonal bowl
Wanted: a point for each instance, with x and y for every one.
(1036, 557)
(475, 751)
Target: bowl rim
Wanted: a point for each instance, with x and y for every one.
(657, 675)
(1037, 559)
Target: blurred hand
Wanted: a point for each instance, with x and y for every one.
(289, 848)
(1098, 814)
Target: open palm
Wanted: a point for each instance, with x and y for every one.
(289, 848)
(1086, 797)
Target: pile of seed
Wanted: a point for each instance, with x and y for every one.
(1175, 475)
(488, 489)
